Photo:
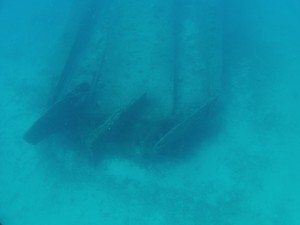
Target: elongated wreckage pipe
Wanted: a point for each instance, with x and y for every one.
(65, 111)
(86, 25)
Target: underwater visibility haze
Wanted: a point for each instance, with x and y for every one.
(153, 112)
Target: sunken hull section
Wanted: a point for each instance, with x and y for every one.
(195, 127)
(61, 116)
(119, 128)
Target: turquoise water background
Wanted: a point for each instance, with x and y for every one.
(246, 174)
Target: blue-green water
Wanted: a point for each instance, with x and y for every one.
(242, 170)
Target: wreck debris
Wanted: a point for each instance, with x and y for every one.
(60, 116)
(115, 128)
(173, 138)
